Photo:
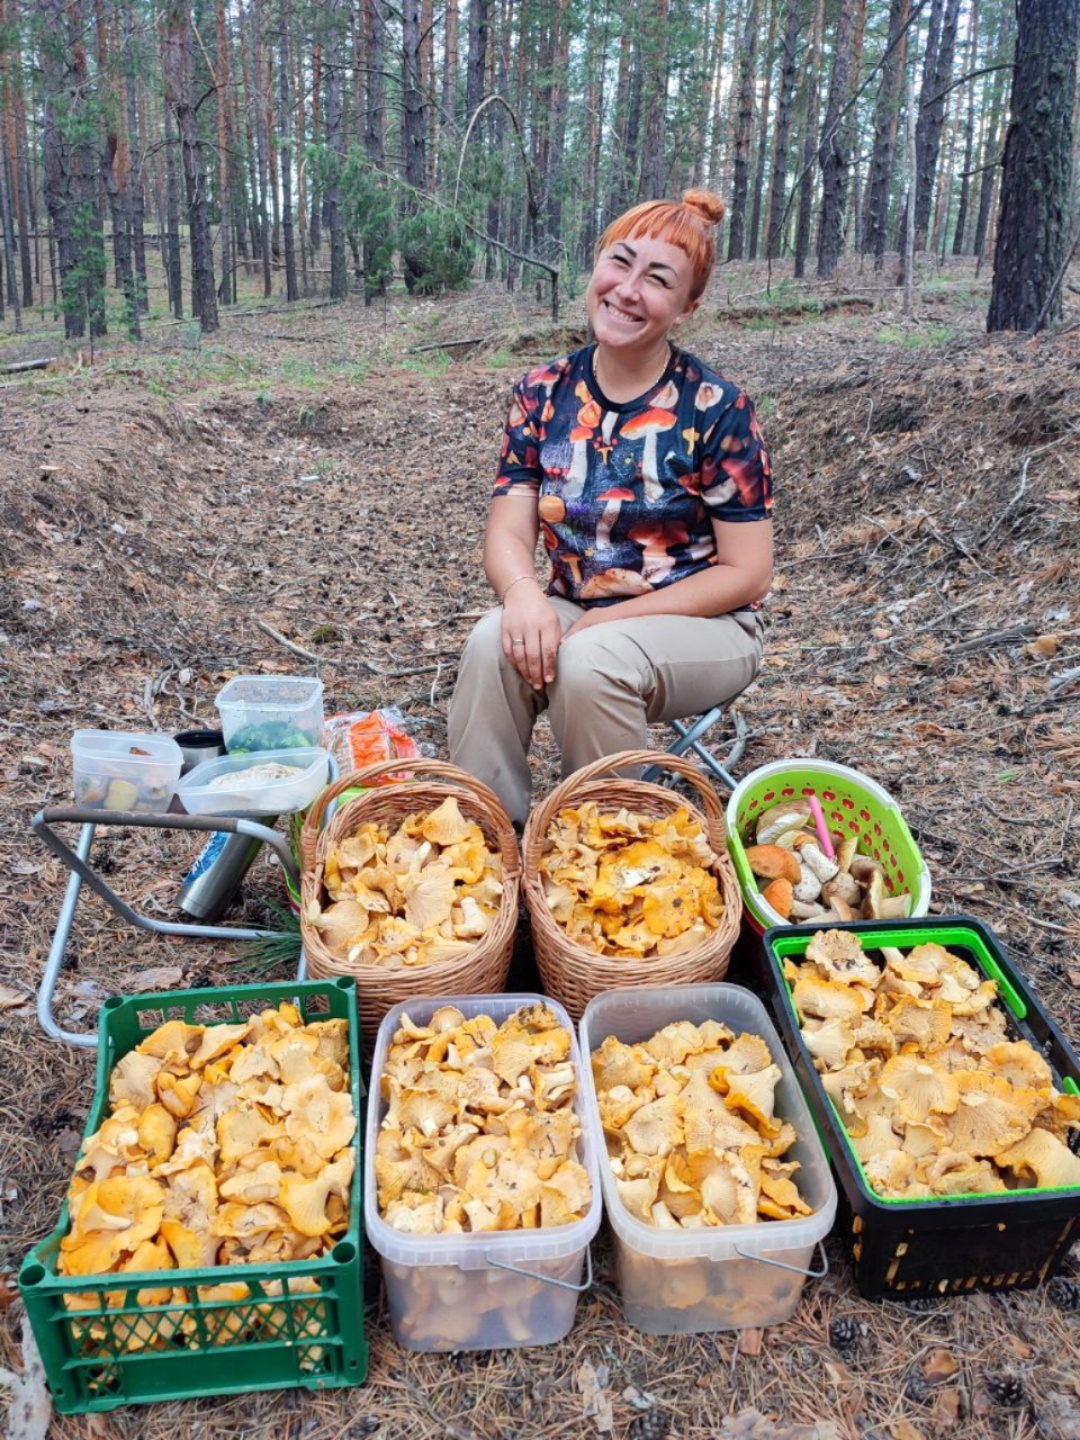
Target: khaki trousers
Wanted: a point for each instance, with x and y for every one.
(612, 681)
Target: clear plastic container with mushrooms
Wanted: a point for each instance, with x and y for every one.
(804, 884)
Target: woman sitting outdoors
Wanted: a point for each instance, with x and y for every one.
(646, 473)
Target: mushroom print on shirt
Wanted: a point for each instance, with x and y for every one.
(627, 493)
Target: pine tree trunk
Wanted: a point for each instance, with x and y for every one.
(617, 192)
(714, 97)
(993, 144)
(809, 144)
(117, 191)
(450, 70)
(886, 115)
(763, 135)
(782, 132)
(317, 131)
(178, 67)
(172, 216)
(413, 139)
(292, 289)
(743, 129)
(479, 27)
(557, 118)
(1033, 228)
(594, 109)
(936, 75)
(375, 50)
(7, 211)
(654, 179)
(333, 13)
(833, 154)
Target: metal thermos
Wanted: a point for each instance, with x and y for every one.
(212, 883)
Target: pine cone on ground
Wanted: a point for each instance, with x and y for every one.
(1006, 1390)
(845, 1332)
(1064, 1293)
(922, 1304)
(916, 1388)
(652, 1424)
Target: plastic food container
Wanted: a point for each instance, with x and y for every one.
(852, 804)
(900, 1247)
(485, 1291)
(308, 774)
(115, 770)
(302, 1324)
(731, 1276)
(271, 712)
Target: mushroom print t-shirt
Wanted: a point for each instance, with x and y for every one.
(627, 493)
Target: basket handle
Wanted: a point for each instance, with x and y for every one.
(678, 764)
(415, 767)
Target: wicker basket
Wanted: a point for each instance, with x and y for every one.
(484, 969)
(573, 975)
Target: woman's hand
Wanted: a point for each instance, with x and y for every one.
(531, 632)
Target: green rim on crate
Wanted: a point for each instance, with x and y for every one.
(852, 804)
(794, 947)
(123, 1339)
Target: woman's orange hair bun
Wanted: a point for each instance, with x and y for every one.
(704, 203)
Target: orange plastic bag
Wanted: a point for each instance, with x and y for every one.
(368, 737)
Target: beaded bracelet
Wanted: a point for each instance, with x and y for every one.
(516, 581)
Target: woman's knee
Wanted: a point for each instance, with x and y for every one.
(590, 662)
(483, 649)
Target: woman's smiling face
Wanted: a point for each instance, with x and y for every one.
(639, 289)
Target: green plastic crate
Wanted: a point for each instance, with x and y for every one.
(904, 1246)
(295, 1338)
(851, 803)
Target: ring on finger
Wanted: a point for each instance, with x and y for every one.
(517, 642)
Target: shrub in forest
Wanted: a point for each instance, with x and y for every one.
(436, 252)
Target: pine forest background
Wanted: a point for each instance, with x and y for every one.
(158, 150)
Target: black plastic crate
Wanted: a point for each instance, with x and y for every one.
(904, 1248)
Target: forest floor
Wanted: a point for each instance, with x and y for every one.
(326, 471)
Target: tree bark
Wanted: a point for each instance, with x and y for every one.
(178, 66)
(333, 14)
(960, 233)
(936, 74)
(375, 49)
(292, 289)
(782, 132)
(173, 270)
(763, 133)
(1033, 228)
(992, 146)
(833, 154)
(809, 144)
(743, 132)
(413, 138)
(654, 180)
(479, 28)
(886, 115)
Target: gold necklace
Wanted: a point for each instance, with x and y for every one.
(655, 381)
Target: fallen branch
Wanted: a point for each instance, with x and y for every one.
(289, 644)
(399, 674)
(450, 344)
(995, 637)
(1065, 678)
(21, 365)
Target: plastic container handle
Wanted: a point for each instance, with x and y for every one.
(795, 1269)
(547, 1279)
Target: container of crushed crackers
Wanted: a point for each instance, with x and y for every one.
(410, 887)
(481, 1186)
(716, 1185)
(627, 883)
